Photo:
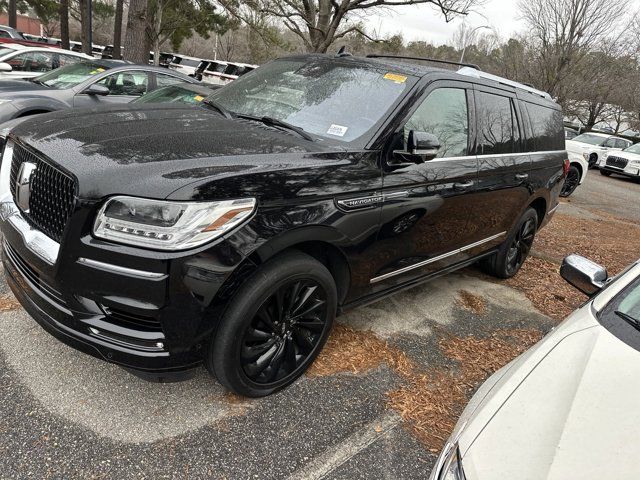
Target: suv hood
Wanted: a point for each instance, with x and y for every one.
(578, 147)
(11, 86)
(153, 150)
(575, 415)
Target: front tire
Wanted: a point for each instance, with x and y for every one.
(275, 326)
(593, 159)
(515, 250)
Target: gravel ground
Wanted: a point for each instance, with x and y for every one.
(67, 415)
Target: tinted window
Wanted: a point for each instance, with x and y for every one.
(166, 80)
(4, 34)
(31, 62)
(610, 143)
(621, 143)
(443, 113)
(547, 127)
(497, 125)
(126, 83)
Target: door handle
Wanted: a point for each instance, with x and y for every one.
(463, 186)
(522, 176)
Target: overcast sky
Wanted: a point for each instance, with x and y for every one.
(424, 22)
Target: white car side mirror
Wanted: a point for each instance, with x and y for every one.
(5, 67)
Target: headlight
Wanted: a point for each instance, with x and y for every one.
(585, 155)
(449, 466)
(165, 225)
(635, 162)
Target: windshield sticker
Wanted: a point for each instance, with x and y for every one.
(337, 130)
(395, 77)
(198, 98)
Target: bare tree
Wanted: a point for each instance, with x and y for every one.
(136, 42)
(567, 30)
(319, 23)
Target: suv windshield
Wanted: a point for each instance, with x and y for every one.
(333, 98)
(633, 148)
(70, 76)
(590, 139)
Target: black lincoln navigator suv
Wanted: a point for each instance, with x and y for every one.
(159, 237)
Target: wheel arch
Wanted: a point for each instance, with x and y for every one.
(539, 204)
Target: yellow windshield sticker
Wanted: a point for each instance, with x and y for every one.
(199, 98)
(395, 77)
(97, 70)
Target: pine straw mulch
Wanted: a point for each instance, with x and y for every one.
(472, 302)
(8, 302)
(610, 241)
(429, 401)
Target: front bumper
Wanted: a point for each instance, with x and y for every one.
(150, 313)
(628, 171)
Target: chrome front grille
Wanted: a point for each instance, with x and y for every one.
(53, 193)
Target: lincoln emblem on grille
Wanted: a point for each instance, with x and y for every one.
(23, 185)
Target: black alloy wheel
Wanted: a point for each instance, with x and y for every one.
(520, 246)
(275, 325)
(285, 330)
(571, 182)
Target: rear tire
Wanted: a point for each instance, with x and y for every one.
(571, 182)
(274, 327)
(515, 250)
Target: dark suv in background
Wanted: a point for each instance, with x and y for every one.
(159, 237)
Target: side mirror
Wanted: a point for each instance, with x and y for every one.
(96, 89)
(422, 144)
(5, 67)
(582, 273)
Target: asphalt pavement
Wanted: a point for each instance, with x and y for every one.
(66, 415)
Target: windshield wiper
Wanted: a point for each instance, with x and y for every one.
(38, 82)
(274, 122)
(634, 322)
(216, 106)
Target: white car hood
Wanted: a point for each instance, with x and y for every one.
(575, 416)
(578, 147)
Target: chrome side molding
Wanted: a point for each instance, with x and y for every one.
(119, 270)
(435, 259)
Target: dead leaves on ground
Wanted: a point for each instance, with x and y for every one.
(429, 401)
(8, 302)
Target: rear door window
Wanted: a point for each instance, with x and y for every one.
(498, 130)
(126, 83)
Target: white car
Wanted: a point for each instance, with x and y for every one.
(19, 61)
(626, 162)
(568, 407)
(184, 64)
(591, 146)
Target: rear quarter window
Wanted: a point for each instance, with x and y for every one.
(547, 128)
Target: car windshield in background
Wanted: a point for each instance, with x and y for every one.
(337, 100)
(70, 76)
(590, 139)
(172, 94)
(633, 149)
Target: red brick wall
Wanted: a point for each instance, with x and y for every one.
(25, 24)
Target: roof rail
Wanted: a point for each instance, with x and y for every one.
(425, 59)
(470, 72)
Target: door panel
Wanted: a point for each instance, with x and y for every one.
(426, 206)
(503, 164)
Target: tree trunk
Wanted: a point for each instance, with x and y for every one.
(117, 30)
(64, 23)
(85, 27)
(156, 38)
(13, 13)
(136, 42)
